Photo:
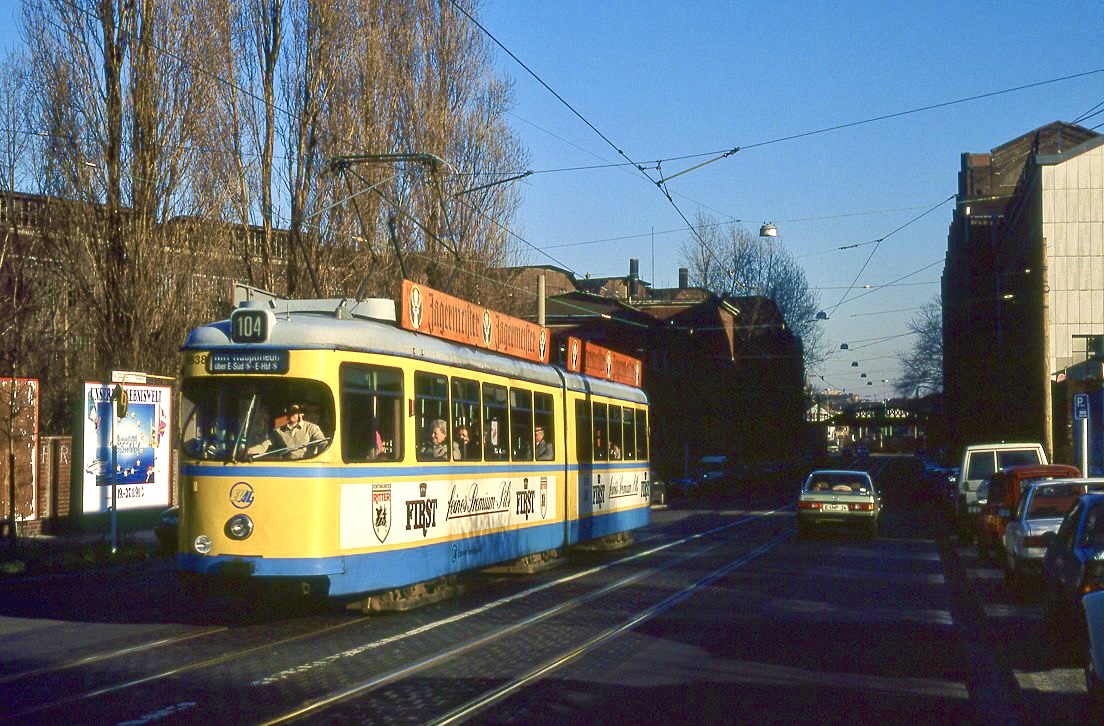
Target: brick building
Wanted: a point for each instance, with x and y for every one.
(724, 374)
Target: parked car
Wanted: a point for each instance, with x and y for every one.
(1000, 500)
(1074, 562)
(713, 469)
(1040, 512)
(1093, 605)
(837, 497)
(980, 462)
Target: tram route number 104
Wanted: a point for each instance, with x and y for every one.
(250, 326)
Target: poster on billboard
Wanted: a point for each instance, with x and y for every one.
(142, 470)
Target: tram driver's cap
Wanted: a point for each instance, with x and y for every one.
(293, 408)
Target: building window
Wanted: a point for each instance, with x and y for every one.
(1086, 347)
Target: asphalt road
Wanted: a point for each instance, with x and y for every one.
(717, 613)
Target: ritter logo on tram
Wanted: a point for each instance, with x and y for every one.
(421, 513)
(381, 511)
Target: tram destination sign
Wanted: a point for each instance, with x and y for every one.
(248, 361)
(594, 360)
(431, 312)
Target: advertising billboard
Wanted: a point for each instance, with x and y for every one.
(142, 468)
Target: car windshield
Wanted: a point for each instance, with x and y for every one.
(235, 418)
(838, 482)
(1017, 457)
(1093, 533)
(1025, 483)
(1053, 500)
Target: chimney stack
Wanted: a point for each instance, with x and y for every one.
(634, 275)
(684, 278)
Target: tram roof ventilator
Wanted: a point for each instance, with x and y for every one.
(376, 308)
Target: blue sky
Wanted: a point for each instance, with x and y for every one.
(664, 79)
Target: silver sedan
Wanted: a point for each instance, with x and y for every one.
(837, 497)
(1043, 506)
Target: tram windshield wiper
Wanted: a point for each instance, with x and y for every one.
(240, 441)
(289, 449)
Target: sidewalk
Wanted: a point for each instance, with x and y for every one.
(74, 552)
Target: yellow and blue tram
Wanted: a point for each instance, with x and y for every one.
(425, 457)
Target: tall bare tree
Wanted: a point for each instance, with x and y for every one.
(728, 260)
(922, 364)
(118, 88)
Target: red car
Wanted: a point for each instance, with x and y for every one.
(1005, 490)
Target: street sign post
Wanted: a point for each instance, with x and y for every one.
(1081, 416)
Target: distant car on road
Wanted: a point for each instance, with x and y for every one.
(833, 449)
(838, 497)
(1074, 563)
(862, 451)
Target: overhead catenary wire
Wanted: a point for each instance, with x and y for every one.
(862, 269)
(659, 183)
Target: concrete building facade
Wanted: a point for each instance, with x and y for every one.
(1023, 285)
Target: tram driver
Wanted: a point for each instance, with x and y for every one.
(291, 439)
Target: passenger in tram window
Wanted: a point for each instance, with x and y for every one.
(615, 452)
(291, 440)
(542, 446)
(462, 444)
(435, 448)
(599, 444)
(378, 450)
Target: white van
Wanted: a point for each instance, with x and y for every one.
(979, 463)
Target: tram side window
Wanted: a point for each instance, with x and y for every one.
(466, 426)
(615, 450)
(642, 433)
(496, 423)
(630, 434)
(583, 449)
(601, 425)
(371, 413)
(521, 424)
(431, 407)
(544, 444)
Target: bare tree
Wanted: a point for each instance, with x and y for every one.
(922, 364)
(118, 88)
(728, 260)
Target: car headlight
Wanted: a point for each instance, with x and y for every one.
(240, 526)
(202, 544)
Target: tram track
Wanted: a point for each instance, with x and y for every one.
(85, 697)
(418, 669)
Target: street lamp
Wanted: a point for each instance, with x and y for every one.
(768, 230)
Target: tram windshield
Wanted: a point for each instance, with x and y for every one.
(235, 418)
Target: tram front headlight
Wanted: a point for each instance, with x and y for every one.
(202, 544)
(240, 526)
